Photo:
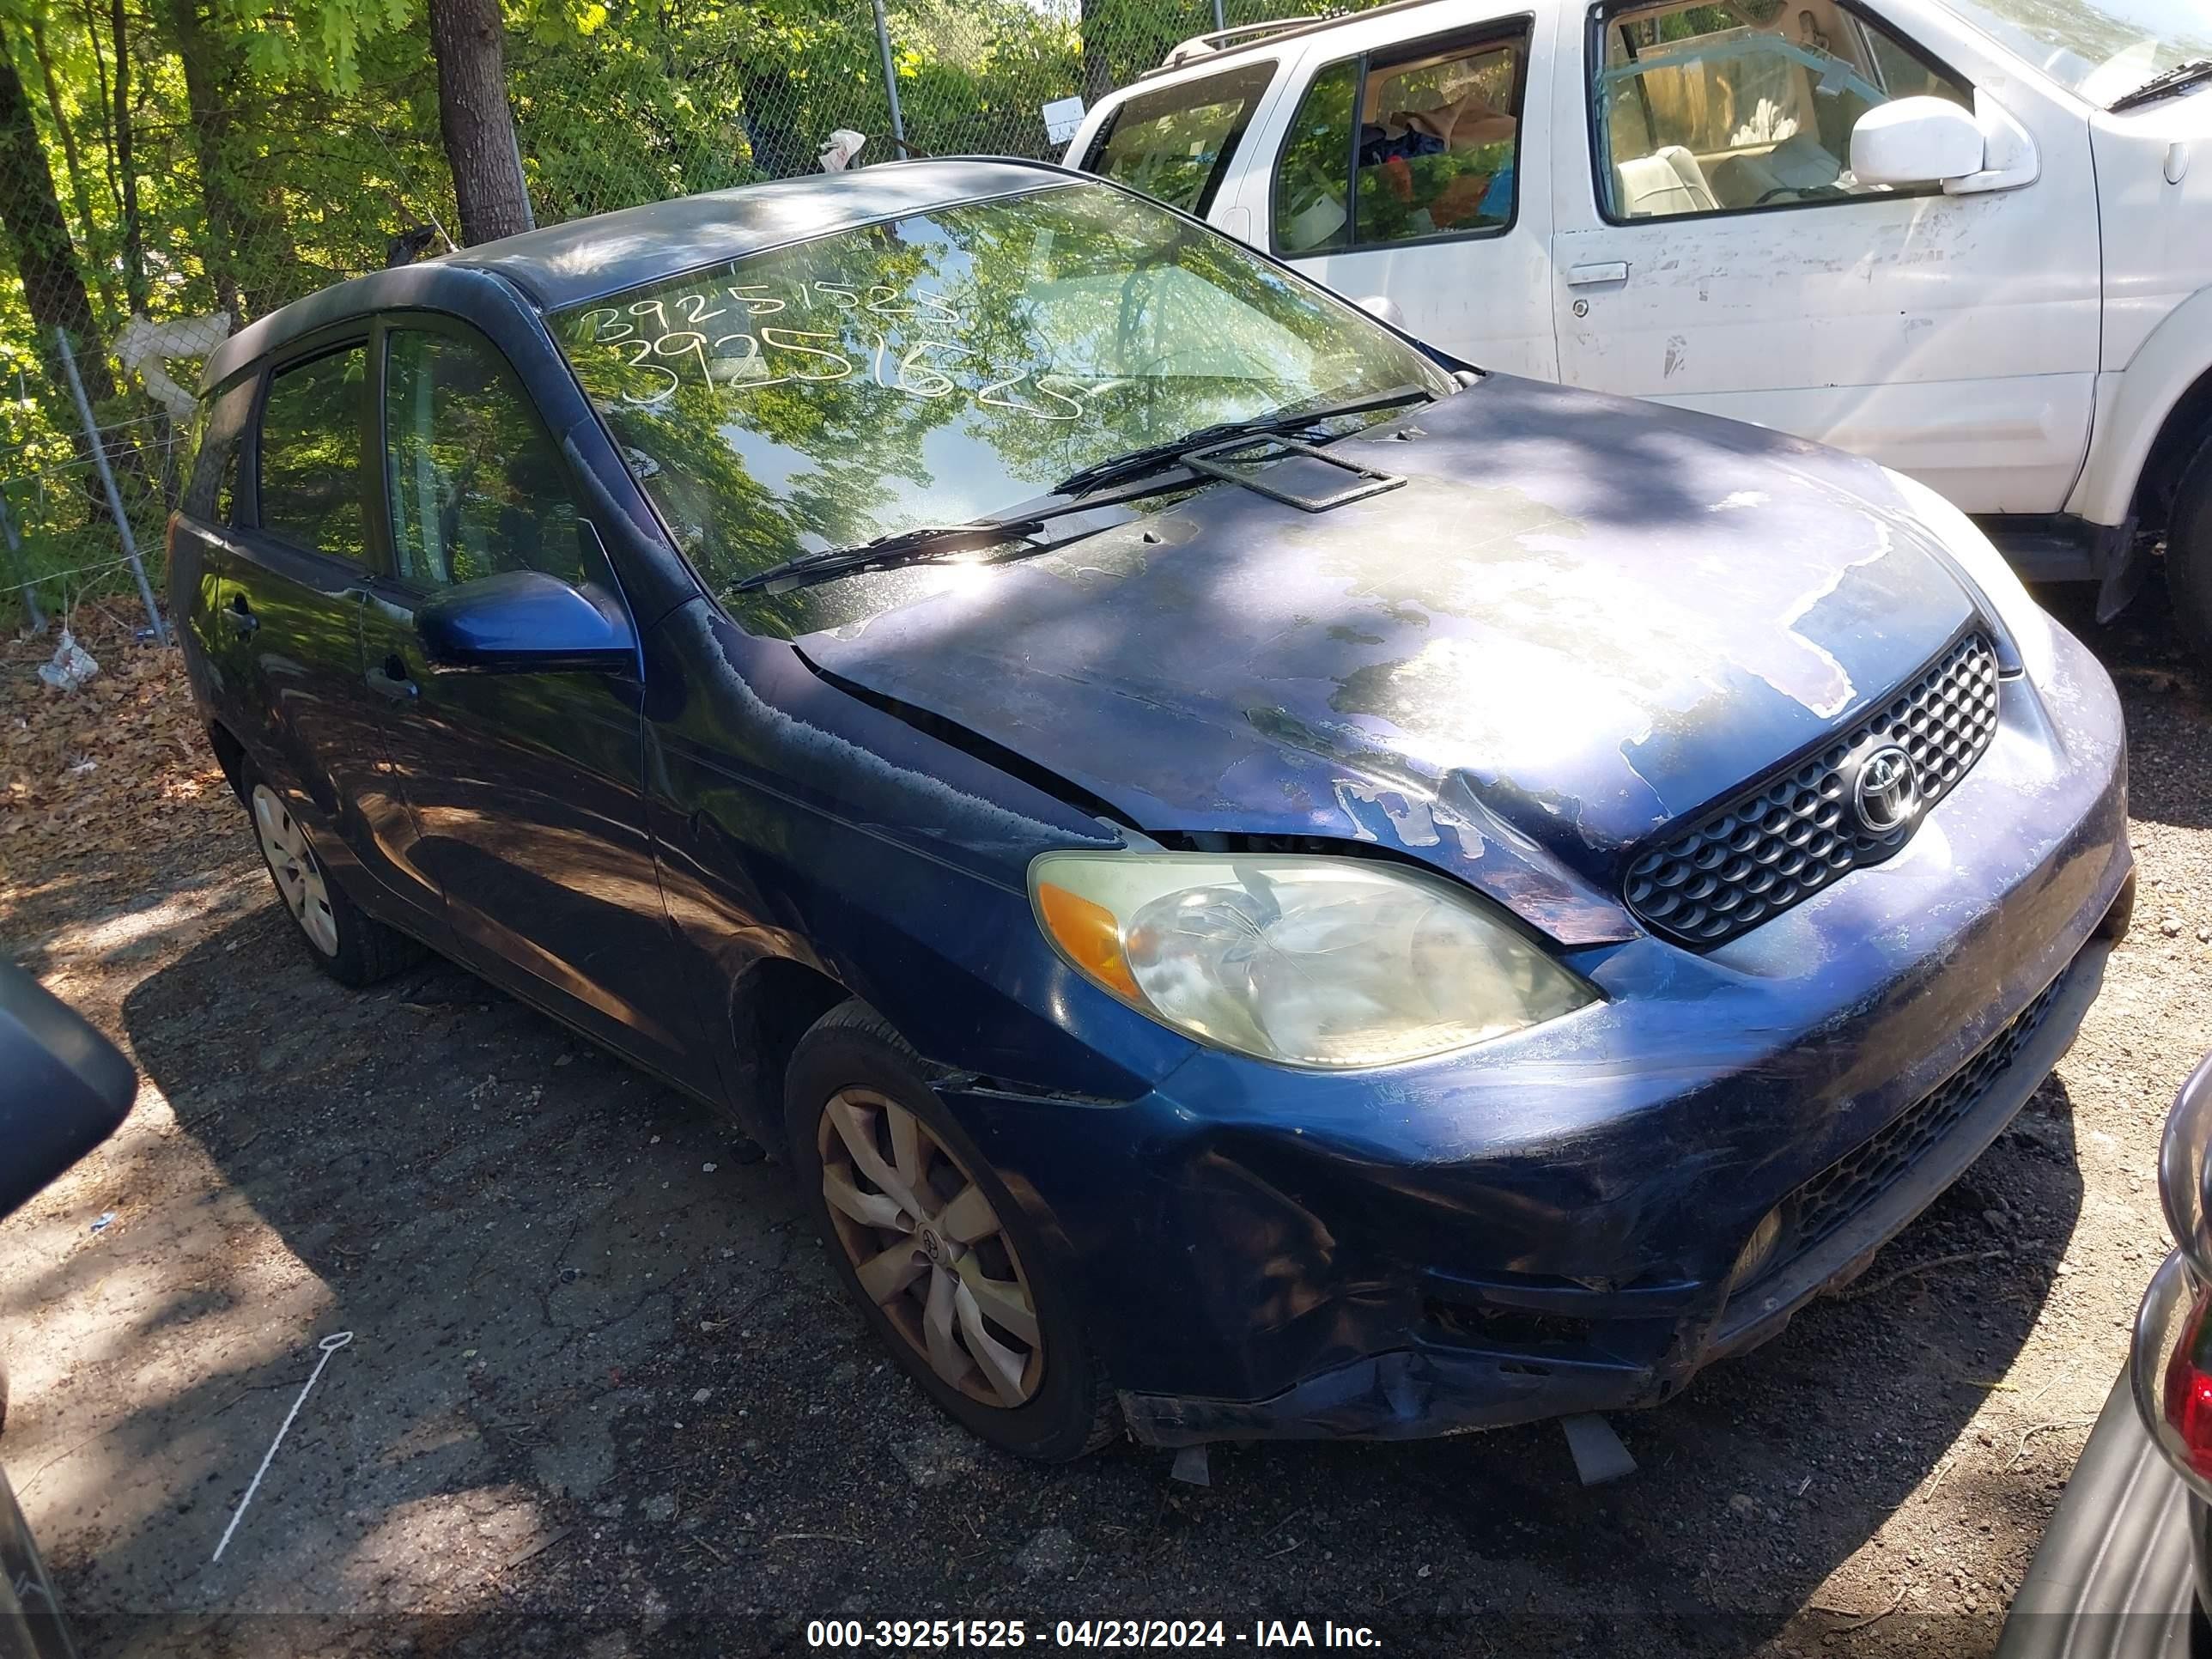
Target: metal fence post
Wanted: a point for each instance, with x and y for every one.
(21, 569)
(890, 79)
(108, 482)
(1219, 22)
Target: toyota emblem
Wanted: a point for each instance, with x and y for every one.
(1887, 794)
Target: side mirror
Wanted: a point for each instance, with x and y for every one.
(524, 622)
(1916, 141)
(1382, 306)
(67, 1087)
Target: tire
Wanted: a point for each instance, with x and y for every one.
(342, 939)
(973, 1248)
(2188, 555)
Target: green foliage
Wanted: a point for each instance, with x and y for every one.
(278, 148)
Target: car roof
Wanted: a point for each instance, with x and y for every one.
(585, 260)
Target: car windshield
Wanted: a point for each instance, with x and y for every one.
(2100, 49)
(931, 370)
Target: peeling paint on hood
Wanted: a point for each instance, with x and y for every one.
(1580, 617)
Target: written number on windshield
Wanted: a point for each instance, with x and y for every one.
(696, 336)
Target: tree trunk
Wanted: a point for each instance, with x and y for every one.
(768, 101)
(467, 39)
(107, 110)
(72, 159)
(134, 236)
(46, 259)
(212, 79)
(1097, 65)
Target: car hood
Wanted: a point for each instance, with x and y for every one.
(1578, 618)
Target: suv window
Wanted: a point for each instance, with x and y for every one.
(1718, 107)
(1313, 176)
(1404, 149)
(217, 424)
(477, 487)
(311, 454)
(1176, 143)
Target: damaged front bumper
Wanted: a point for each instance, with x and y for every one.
(1481, 1356)
(1578, 1216)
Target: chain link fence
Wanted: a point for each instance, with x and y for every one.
(169, 173)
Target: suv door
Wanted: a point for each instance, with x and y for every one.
(1416, 172)
(525, 788)
(284, 584)
(1714, 251)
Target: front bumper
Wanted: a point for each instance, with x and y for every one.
(1487, 1351)
(1559, 1221)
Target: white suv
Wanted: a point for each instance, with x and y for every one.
(1970, 238)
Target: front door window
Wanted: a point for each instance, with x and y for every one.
(477, 487)
(1720, 108)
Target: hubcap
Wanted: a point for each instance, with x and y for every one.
(928, 1249)
(292, 862)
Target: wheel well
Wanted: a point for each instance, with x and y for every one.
(2188, 425)
(230, 755)
(771, 1005)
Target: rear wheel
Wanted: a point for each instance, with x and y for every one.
(2189, 554)
(348, 944)
(943, 1265)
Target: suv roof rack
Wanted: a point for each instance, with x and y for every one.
(1242, 35)
(1205, 45)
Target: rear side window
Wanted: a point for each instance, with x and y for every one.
(1419, 145)
(311, 473)
(477, 486)
(1176, 144)
(212, 493)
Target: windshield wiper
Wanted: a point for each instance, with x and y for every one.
(2165, 84)
(929, 541)
(926, 542)
(1157, 456)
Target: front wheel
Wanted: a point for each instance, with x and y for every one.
(943, 1265)
(2189, 554)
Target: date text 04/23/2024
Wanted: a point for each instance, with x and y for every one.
(900, 1636)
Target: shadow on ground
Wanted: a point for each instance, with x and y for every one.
(593, 1379)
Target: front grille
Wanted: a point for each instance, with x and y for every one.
(1816, 1210)
(1784, 837)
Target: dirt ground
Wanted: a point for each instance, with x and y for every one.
(603, 1397)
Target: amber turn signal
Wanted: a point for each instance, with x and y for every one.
(1090, 936)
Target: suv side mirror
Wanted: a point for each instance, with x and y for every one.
(1382, 306)
(1916, 141)
(525, 622)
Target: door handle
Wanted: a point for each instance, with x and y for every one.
(240, 615)
(1615, 270)
(389, 679)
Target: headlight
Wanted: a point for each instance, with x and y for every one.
(2021, 617)
(1297, 958)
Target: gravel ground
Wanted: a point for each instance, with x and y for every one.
(604, 1398)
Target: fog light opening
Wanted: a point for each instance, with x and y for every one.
(1758, 1250)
